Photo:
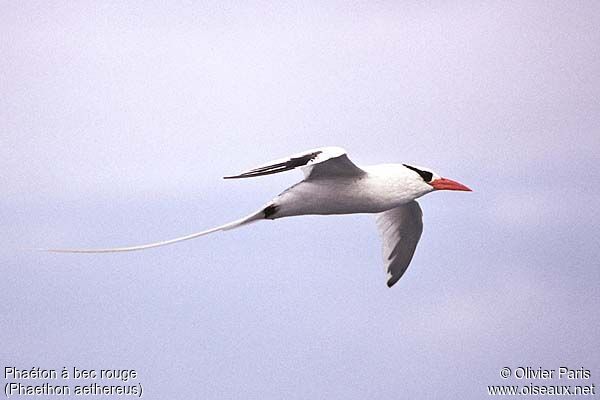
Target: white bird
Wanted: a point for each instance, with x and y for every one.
(335, 185)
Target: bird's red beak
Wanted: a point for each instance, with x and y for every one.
(448, 184)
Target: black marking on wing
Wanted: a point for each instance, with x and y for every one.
(270, 210)
(426, 175)
(292, 163)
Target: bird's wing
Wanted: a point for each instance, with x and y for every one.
(324, 161)
(401, 229)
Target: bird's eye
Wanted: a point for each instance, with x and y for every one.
(426, 175)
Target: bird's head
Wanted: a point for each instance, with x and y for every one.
(434, 181)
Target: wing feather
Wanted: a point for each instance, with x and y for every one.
(400, 229)
(324, 161)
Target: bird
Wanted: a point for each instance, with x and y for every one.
(333, 184)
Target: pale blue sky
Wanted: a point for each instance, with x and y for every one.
(118, 121)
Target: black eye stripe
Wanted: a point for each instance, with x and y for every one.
(426, 175)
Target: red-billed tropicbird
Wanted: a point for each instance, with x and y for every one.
(335, 185)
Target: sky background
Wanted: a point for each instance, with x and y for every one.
(118, 120)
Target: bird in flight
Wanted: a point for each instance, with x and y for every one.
(335, 185)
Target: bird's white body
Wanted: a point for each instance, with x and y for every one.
(335, 185)
(381, 188)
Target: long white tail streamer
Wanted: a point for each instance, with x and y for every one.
(231, 225)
